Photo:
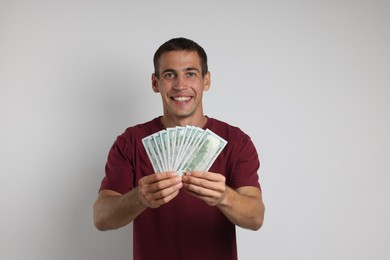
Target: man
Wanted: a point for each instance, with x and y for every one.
(189, 216)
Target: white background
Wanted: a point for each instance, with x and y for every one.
(309, 81)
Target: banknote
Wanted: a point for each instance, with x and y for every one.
(205, 152)
(190, 146)
(171, 132)
(152, 154)
(183, 149)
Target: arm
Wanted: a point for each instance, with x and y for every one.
(243, 207)
(113, 210)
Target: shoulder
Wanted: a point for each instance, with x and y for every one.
(229, 132)
(238, 142)
(135, 133)
(143, 129)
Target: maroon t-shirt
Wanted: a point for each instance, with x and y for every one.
(186, 227)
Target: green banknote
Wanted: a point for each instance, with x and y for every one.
(183, 149)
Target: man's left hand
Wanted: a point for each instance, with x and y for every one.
(207, 186)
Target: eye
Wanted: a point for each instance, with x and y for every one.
(191, 74)
(169, 75)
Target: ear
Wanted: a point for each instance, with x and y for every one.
(155, 83)
(207, 81)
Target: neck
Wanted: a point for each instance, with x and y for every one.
(172, 122)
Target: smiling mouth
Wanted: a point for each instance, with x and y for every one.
(181, 99)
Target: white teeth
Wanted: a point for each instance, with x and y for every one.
(180, 99)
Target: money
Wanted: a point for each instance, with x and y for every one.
(183, 149)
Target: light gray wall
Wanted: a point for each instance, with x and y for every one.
(308, 80)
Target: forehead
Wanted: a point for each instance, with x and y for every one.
(179, 60)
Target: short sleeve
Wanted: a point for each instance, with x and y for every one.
(246, 164)
(119, 172)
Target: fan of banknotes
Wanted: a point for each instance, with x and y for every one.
(183, 149)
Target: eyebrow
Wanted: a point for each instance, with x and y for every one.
(191, 68)
(186, 69)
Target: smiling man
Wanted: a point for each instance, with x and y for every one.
(192, 216)
(181, 82)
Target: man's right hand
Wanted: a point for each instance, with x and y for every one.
(158, 189)
(113, 210)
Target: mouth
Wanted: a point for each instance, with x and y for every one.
(181, 99)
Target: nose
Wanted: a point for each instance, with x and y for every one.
(180, 83)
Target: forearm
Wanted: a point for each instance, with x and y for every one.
(113, 210)
(243, 208)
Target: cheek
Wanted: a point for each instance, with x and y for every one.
(161, 89)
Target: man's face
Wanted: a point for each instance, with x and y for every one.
(181, 84)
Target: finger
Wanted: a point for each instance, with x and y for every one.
(164, 184)
(163, 196)
(202, 191)
(157, 177)
(210, 200)
(166, 192)
(198, 182)
(168, 198)
(162, 188)
(211, 176)
(158, 203)
(217, 185)
(160, 176)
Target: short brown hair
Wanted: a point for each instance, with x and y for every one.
(180, 44)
